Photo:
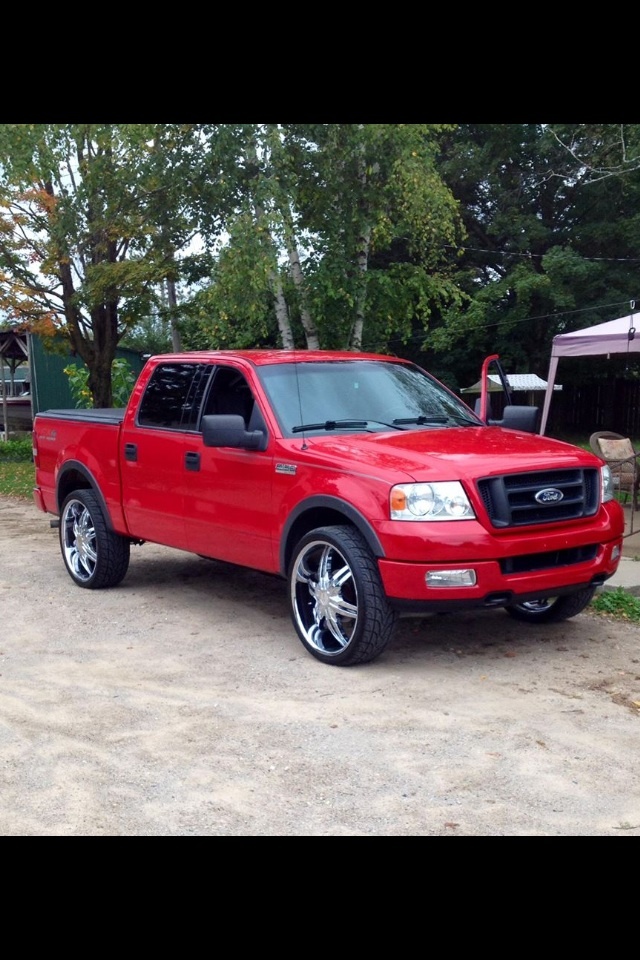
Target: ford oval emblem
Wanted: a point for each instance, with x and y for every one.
(549, 495)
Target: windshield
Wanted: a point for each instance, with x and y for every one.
(359, 395)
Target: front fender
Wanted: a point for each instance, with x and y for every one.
(318, 511)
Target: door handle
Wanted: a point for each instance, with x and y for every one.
(131, 451)
(192, 461)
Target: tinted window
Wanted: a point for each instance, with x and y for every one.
(173, 396)
(230, 393)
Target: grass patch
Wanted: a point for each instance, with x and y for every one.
(17, 472)
(17, 480)
(618, 603)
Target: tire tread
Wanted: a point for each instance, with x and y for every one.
(563, 609)
(378, 617)
(113, 550)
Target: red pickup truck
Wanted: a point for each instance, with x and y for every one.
(371, 488)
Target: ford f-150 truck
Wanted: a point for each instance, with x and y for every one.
(364, 482)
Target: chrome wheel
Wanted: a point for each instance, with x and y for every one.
(538, 606)
(337, 602)
(94, 555)
(324, 597)
(552, 609)
(78, 539)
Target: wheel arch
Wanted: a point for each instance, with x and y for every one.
(322, 511)
(75, 476)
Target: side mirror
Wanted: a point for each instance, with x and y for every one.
(229, 430)
(517, 417)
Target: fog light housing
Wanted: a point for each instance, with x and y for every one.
(450, 578)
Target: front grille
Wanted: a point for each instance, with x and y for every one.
(510, 500)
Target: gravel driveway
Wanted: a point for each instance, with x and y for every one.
(182, 704)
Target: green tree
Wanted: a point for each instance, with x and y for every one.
(91, 219)
(598, 151)
(339, 237)
(550, 246)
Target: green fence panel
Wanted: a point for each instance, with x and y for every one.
(50, 385)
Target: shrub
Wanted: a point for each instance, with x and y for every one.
(618, 603)
(16, 451)
(122, 381)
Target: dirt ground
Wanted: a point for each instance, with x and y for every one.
(181, 703)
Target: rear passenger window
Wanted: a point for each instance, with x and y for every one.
(173, 396)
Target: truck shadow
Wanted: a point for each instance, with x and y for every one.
(180, 580)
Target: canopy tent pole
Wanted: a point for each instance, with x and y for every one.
(551, 377)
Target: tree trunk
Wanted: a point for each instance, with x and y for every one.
(282, 310)
(311, 333)
(361, 299)
(362, 258)
(176, 339)
(104, 322)
(282, 313)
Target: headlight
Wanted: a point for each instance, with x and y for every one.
(430, 501)
(608, 491)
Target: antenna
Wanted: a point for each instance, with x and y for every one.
(295, 363)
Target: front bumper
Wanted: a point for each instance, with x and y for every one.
(406, 586)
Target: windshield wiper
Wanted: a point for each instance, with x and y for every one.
(383, 423)
(329, 425)
(437, 419)
(466, 421)
(422, 419)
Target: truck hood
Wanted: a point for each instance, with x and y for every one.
(453, 453)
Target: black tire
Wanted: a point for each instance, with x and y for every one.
(94, 556)
(337, 602)
(552, 609)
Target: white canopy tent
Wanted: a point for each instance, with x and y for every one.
(614, 336)
(528, 383)
(517, 382)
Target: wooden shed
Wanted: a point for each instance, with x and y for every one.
(33, 379)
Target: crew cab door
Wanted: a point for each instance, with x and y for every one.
(229, 513)
(155, 478)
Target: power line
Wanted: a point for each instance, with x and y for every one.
(539, 256)
(544, 316)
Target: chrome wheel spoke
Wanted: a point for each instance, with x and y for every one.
(325, 598)
(79, 540)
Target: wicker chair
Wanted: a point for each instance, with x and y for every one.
(618, 452)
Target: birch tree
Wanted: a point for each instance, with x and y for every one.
(341, 237)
